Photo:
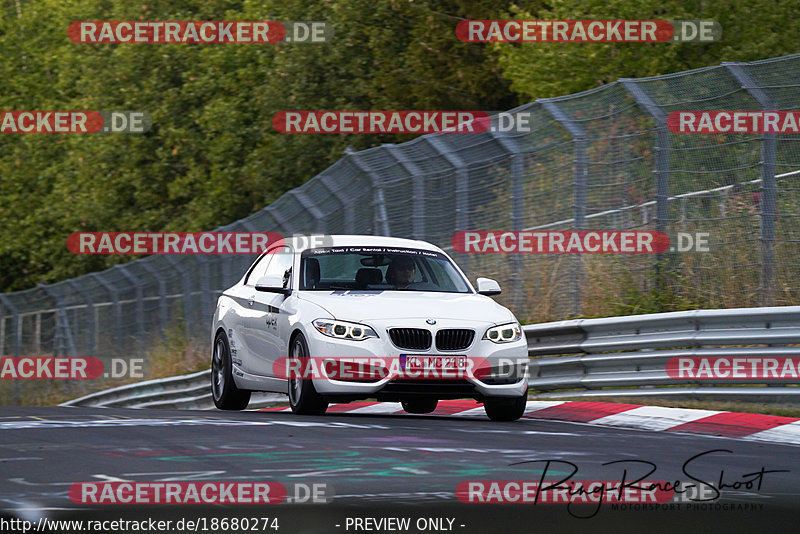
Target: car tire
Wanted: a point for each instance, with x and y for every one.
(420, 405)
(303, 398)
(506, 409)
(223, 389)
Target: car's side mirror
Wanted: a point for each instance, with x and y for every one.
(272, 284)
(488, 287)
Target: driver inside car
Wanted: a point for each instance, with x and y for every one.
(401, 272)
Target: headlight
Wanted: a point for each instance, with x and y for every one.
(505, 333)
(344, 330)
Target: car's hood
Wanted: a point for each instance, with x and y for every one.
(379, 305)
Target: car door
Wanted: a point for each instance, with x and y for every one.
(265, 320)
(238, 318)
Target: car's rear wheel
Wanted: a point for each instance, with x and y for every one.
(505, 408)
(303, 398)
(420, 405)
(226, 395)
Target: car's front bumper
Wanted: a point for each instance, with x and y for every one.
(506, 375)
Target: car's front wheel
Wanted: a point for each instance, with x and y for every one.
(226, 395)
(506, 408)
(420, 405)
(303, 398)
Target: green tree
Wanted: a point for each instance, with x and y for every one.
(751, 30)
(212, 156)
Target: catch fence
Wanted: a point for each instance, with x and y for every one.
(603, 159)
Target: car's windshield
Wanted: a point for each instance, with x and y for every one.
(379, 268)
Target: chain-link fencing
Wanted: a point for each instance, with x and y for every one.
(603, 159)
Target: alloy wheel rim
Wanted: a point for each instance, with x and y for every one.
(294, 382)
(218, 373)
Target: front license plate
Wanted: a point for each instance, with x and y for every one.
(414, 362)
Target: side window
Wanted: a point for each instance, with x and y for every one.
(281, 265)
(258, 269)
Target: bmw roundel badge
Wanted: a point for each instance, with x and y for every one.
(430, 321)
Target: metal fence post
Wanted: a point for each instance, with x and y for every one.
(418, 184)
(380, 216)
(578, 190)
(163, 309)
(520, 294)
(63, 341)
(768, 210)
(345, 201)
(662, 150)
(517, 207)
(16, 327)
(462, 199)
(115, 304)
(275, 214)
(187, 291)
(462, 187)
(136, 284)
(205, 290)
(92, 327)
(319, 218)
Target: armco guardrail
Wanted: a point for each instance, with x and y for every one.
(628, 354)
(187, 392)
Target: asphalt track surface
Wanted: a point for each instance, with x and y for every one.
(386, 466)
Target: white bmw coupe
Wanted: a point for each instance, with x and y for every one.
(366, 317)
